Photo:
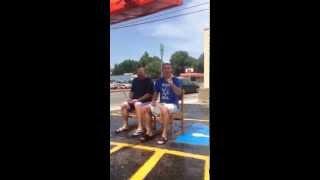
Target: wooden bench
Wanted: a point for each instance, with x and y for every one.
(179, 116)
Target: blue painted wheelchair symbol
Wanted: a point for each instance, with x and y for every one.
(196, 134)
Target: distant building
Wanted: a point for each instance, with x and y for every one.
(192, 76)
(188, 70)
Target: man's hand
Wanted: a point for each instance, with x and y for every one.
(134, 100)
(153, 103)
(169, 81)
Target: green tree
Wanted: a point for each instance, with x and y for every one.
(116, 70)
(127, 66)
(153, 68)
(181, 60)
(156, 58)
(192, 62)
(200, 65)
(145, 59)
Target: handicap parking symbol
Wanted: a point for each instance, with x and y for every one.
(196, 134)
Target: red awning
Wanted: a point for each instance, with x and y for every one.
(122, 10)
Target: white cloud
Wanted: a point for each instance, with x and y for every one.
(168, 31)
(181, 33)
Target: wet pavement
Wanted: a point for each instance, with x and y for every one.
(170, 167)
(183, 157)
(124, 162)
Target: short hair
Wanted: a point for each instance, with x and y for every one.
(166, 64)
(140, 66)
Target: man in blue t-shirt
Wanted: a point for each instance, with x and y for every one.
(169, 88)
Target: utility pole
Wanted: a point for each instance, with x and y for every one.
(161, 55)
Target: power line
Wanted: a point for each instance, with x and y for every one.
(171, 12)
(157, 20)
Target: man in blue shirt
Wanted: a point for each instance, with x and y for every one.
(169, 88)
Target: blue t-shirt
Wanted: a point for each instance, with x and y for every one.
(167, 94)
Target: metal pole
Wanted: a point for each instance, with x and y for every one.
(161, 54)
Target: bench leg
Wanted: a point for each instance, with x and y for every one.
(182, 125)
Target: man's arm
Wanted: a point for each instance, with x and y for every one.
(130, 94)
(144, 97)
(176, 90)
(131, 90)
(155, 96)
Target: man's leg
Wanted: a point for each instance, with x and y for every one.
(165, 117)
(139, 131)
(124, 113)
(138, 107)
(165, 114)
(146, 114)
(147, 119)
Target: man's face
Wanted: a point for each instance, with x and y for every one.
(167, 70)
(140, 72)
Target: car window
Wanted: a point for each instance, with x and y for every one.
(187, 82)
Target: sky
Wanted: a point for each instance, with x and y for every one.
(180, 33)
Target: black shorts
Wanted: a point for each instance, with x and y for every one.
(131, 107)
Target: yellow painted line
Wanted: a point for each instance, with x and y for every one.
(172, 152)
(159, 152)
(136, 146)
(183, 154)
(117, 148)
(206, 169)
(144, 170)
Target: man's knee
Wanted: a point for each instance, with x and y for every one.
(124, 107)
(145, 111)
(137, 105)
(164, 110)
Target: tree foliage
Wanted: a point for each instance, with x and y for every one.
(179, 60)
(153, 68)
(127, 66)
(145, 59)
(200, 65)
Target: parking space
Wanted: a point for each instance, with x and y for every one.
(124, 164)
(177, 167)
(137, 162)
(185, 155)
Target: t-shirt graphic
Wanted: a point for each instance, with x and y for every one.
(165, 89)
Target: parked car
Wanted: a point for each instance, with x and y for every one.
(125, 85)
(189, 86)
(128, 85)
(113, 86)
